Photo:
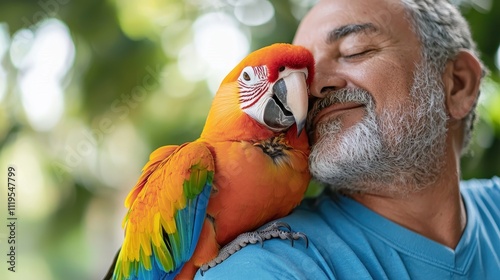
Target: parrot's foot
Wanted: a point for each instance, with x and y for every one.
(272, 230)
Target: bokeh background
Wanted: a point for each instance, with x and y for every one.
(88, 88)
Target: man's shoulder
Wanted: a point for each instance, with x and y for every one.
(482, 196)
(276, 258)
(327, 256)
(481, 189)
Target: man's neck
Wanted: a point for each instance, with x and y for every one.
(436, 212)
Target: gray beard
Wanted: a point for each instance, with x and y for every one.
(396, 153)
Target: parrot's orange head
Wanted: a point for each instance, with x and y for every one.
(276, 58)
(273, 84)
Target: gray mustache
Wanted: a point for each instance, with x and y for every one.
(344, 95)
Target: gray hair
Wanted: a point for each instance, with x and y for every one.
(443, 31)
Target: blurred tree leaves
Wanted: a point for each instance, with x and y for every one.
(483, 27)
(483, 160)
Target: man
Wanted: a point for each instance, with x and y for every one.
(396, 87)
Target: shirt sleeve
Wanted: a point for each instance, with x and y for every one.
(276, 259)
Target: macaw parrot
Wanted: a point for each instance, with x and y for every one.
(248, 167)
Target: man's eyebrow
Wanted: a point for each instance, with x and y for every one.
(345, 30)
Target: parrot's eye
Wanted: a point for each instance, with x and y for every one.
(281, 69)
(246, 76)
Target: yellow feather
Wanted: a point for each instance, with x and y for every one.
(134, 250)
(126, 269)
(166, 224)
(155, 236)
(146, 260)
(170, 226)
(145, 244)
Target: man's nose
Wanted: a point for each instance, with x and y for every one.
(326, 79)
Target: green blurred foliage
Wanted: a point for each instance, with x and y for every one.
(81, 180)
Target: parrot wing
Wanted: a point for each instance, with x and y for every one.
(167, 208)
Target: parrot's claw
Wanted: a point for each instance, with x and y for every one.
(272, 230)
(241, 241)
(276, 225)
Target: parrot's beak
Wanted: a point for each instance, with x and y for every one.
(296, 98)
(288, 104)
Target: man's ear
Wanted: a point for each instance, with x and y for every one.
(462, 78)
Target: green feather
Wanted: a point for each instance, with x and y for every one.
(198, 178)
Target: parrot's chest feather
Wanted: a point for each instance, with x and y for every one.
(275, 147)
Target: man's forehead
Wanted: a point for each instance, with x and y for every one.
(332, 18)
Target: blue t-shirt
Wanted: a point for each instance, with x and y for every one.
(349, 241)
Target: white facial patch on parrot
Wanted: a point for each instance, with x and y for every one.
(267, 102)
(254, 91)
